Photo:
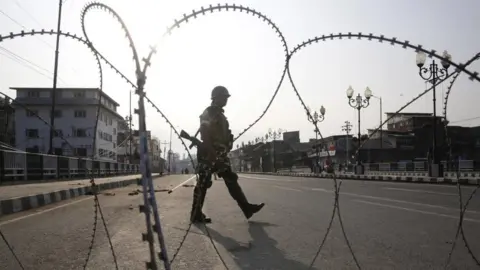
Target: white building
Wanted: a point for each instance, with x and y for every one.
(75, 118)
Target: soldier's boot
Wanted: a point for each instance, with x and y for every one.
(196, 214)
(250, 209)
(237, 194)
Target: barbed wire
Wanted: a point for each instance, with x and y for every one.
(225, 8)
(393, 41)
(336, 184)
(150, 203)
(153, 50)
(462, 207)
(185, 19)
(460, 67)
(148, 191)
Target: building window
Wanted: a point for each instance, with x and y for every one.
(31, 133)
(33, 94)
(79, 132)
(57, 113)
(82, 152)
(110, 121)
(32, 113)
(79, 94)
(80, 113)
(58, 133)
(114, 131)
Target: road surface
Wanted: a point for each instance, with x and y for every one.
(389, 226)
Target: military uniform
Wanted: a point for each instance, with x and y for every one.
(218, 140)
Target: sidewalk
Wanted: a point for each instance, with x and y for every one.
(391, 178)
(18, 198)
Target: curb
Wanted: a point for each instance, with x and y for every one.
(408, 179)
(19, 204)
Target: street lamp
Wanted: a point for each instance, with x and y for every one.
(315, 119)
(347, 128)
(432, 74)
(274, 135)
(359, 103)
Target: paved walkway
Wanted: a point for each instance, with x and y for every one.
(14, 191)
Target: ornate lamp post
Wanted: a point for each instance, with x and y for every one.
(359, 103)
(274, 135)
(315, 119)
(347, 128)
(432, 74)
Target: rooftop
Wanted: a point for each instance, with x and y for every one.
(411, 114)
(66, 89)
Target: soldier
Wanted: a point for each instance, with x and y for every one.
(212, 157)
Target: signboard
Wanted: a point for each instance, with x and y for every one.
(323, 153)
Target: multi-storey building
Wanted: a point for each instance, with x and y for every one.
(154, 151)
(75, 119)
(410, 121)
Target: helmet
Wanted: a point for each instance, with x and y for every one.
(220, 91)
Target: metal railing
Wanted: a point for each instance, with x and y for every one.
(422, 166)
(21, 166)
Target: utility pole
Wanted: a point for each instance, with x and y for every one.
(130, 126)
(347, 128)
(55, 75)
(170, 152)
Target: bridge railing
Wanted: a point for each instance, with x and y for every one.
(18, 166)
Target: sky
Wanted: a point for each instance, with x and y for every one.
(244, 54)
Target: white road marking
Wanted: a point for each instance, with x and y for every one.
(44, 211)
(362, 181)
(269, 179)
(393, 200)
(421, 191)
(184, 182)
(418, 211)
(287, 188)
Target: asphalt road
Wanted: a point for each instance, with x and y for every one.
(389, 226)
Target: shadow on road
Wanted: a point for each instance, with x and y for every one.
(260, 253)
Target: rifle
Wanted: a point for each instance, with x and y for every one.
(195, 142)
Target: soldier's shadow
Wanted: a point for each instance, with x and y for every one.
(260, 253)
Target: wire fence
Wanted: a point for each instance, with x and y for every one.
(150, 205)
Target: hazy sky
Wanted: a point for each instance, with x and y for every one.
(242, 53)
